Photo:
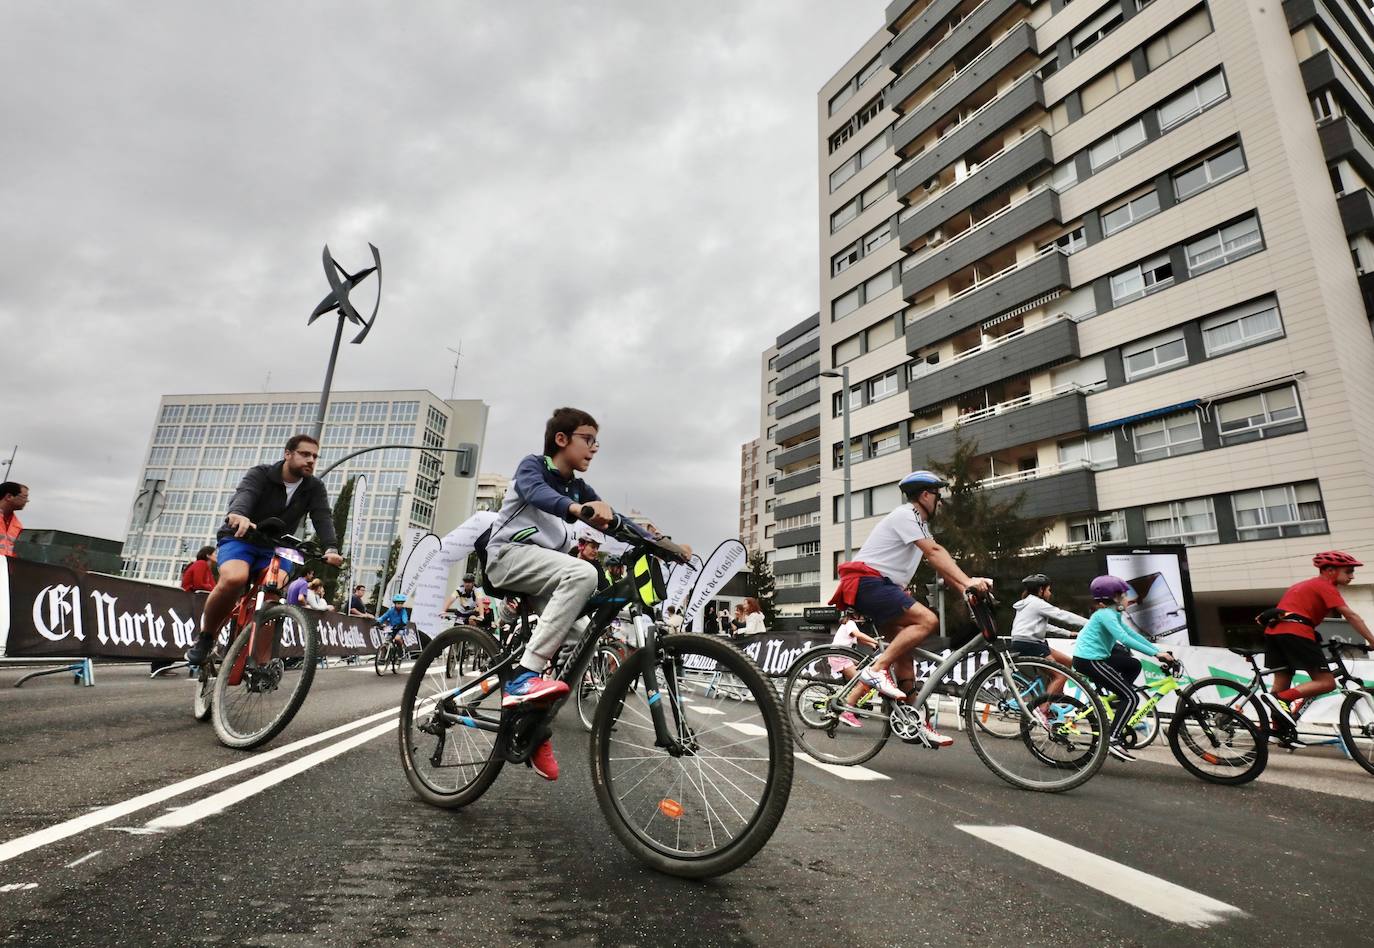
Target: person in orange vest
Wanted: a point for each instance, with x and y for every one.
(13, 498)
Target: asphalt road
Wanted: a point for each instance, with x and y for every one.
(930, 849)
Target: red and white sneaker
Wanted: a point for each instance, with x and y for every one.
(933, 738)
(528, 687)
(543, 763)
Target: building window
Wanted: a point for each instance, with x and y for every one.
(844, 215)
(1324, 106)
(180, 477)
(1246, 419)
(845, 304)
(883, 386)
(1142, 279)
(875, 286)
(874, 193)
(1116, 145)
(845, 259)
(1154, 354)
(1183, 521)
(1125, 214)
(1091, 33)
(1107, 527)
(1242, 326)
(1192, 100)
(1177, 38)
(193, 434)
(1224, 245)
(226, 413)
(1095, 450)
(884, 442)
(198, 413)
(160, 456)
(218, 434)
(1068, 243)
(1289, 510)
(172, 413)
(1167, 437)
(877, 237)
(165, 434)
(881, 334)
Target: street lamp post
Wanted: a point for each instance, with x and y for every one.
(395, 535)
(843, 376)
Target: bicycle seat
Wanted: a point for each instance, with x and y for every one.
(1246, 652)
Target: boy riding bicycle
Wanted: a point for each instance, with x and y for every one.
(875, 583)
(526, 548)
(396, 618)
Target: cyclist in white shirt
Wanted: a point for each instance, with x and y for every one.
(875, 582)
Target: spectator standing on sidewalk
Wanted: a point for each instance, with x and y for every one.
(314, 596)
(753, 618)
(13, 498)
(199, 574)
(295, 590)
(356, 606)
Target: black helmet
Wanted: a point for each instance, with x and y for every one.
(918, 482)
(469, 578)
(1034, 582)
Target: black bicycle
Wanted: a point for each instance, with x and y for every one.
(693, 786)
(389, 655)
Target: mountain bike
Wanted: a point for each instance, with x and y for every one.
(248, 689)
(389, 655)
(1016, 745)
(1356, 720)
(687, 786)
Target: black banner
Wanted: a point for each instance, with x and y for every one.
(53, 611)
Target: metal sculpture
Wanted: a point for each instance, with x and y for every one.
(341, 283)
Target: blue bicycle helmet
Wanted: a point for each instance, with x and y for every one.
(398, 598)
(918, 482)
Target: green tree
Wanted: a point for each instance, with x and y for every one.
(760, 585)
(985, 535)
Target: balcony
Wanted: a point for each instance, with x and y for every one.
(797, 509)
(1357, 212)
(1037, 417)
(799, 535)
(1004, 227)
(805, 478)
(1342, 141)
(1018, 353)
(1025, 159)
(801, 373)
(994, 295)
(802, 452)
(786, 408)
(1321, 71)
(917, 30)
(1047, 492)
(917, 74)
(1012, 45)
(797, 428)
(790, 595)
(980, 125)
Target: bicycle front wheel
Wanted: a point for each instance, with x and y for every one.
(709, 802)
(449, 760)
(819, 724)
(1357, 727)
(605, 663)
(254, 700)
(1060, 745)
(383, 656)
(398, 655)
(203, 702)
(1217, 744)
(1235, 695)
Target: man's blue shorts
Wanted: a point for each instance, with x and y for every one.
(881, 600)
(257, 557)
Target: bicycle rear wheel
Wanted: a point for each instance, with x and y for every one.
(447, 759)
(605, 663)
(1216, 744)
(383, 656)
(1357, 727)
(1052, 755)
(202, 704)
(812, 685)
(254, 701)
(398, 655)
(709, 803)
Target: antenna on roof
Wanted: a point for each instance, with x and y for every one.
(457, 357)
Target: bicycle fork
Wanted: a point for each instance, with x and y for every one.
(647, 658)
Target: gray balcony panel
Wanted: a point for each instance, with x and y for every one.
(792, 481)
(1322, 72)
(917, 30)
(810, 347)
(938, 58)
(1037, 278)
(797, 508)
(1025, 159)
(986, 238)
(991, 121)
(799, 535)
(1070, 492)
(796, 404)
(1339, 24)
(795, 594)
(1342, 141)
(1357, 212)
(810, 322)
(1044, 347)
(1048, 419)
(797, 428)
(1018, 42)
(800, 564)
(811, 449)
(796, 378)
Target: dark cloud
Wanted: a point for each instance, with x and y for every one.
(610, 204)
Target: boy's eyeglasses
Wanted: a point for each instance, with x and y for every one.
(589, 438)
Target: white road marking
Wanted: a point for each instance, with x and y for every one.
(18, 886)
(847, 773)
(705, 710)
(226, 798)
(744, 727)
(76, 862)
(108, 814)
(1161, 898)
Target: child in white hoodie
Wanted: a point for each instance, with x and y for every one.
(1032, 621)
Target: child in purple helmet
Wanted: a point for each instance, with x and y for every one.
(1116, 673)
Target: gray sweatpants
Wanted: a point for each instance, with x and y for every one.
(560, 585)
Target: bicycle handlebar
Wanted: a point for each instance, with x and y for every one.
(269, 533)
(620, 530)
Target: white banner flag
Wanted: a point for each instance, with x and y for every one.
(727, 560)
(680, 581)
(423, 587)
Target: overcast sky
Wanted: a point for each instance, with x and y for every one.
(611, 205)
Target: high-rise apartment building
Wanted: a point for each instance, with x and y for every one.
(201, 445)
(491, 491)
(1120, 245)
(749, 493)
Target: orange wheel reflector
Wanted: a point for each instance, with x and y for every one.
(1211, 758)
(670, 808)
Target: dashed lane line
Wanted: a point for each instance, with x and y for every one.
(1159, 897)
(844, 773)
(108, 814)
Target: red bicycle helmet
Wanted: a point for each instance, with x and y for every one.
(1334, 558)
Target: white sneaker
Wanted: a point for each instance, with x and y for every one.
(881, 679)
(1119, 752)
(933, 738)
